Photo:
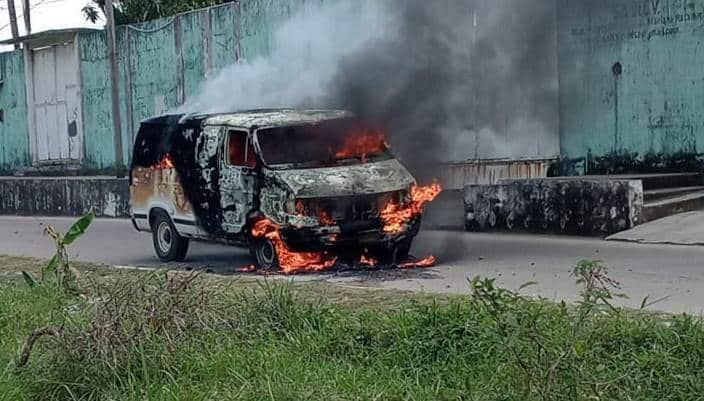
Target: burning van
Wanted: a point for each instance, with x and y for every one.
(300, 188)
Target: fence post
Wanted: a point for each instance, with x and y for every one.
(115, 86)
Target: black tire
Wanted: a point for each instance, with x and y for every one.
(396, 254)
(264, 253)
(169, 246)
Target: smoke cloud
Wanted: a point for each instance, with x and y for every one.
(453, 79)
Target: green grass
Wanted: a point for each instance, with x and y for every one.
(141, 336)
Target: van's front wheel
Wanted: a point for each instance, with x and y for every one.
(395, 254)
(168, 244)
(264, 252)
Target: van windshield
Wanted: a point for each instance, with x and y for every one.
(328, 143)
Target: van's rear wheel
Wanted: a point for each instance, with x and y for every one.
(168, 244)
(264, 252)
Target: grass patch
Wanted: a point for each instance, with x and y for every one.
(159, 336)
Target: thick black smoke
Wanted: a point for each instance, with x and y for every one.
(459, 79)
(453, 79)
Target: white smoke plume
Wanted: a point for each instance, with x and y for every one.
(305, 53)
(453, 79)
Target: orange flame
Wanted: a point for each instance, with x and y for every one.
(428, 261)
(326, 219)
(361, 144)
(291, 262)
(300, 208)
(247, 269)
(165, 163)
(365, 259)
(322, 215)
(395, 216)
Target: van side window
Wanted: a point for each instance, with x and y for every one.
(240, 153)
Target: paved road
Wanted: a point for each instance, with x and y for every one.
(672, 273)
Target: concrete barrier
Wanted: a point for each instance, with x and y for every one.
(64, 196)
(555, 205)
(109, 197)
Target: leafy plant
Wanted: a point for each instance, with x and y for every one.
(59, 264)
(521, 324)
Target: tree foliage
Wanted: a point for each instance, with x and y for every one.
(132, 11)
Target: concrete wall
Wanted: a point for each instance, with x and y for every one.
(74, 196)
(165, 61)
(456, 176)
(562, 206)
(14, 137)
(631, 85)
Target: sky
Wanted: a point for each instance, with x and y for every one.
(46, 15)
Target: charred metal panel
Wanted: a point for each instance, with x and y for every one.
(367, 178)
(237, 190)
(236, 197)
(159, 187)
(278, 117)
(273, 199)
(630, 85)
(564, 206)
(196, 159)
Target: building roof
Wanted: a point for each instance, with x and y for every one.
(46, 15)
(52, 33)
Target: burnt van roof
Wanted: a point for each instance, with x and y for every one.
(254, 118)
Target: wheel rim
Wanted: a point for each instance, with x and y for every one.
(164, 237)
(266, 253)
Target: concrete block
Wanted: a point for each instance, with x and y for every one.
(561, 206)
(64, 196)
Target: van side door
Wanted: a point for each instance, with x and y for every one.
(237, 180)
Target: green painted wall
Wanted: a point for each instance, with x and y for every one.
(95, 81)
(631, 84)
(162, 64)
(165, 61)
(14, 138)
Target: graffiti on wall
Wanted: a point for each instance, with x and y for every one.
(584, 207)
(637, 20)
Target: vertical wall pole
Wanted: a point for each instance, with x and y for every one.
(617, 70)
(129, 110)
(27, 16)
(13, 22)
(115, 86)
(474, 68)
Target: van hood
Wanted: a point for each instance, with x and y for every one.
(368, 178)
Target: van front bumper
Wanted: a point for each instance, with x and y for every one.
(355, 234)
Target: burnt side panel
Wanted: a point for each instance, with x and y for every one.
(183, 144)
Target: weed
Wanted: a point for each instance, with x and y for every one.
(173, 336)
(548, 366)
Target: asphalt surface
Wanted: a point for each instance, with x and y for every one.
(671, 276)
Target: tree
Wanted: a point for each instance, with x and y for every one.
(132, 11)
